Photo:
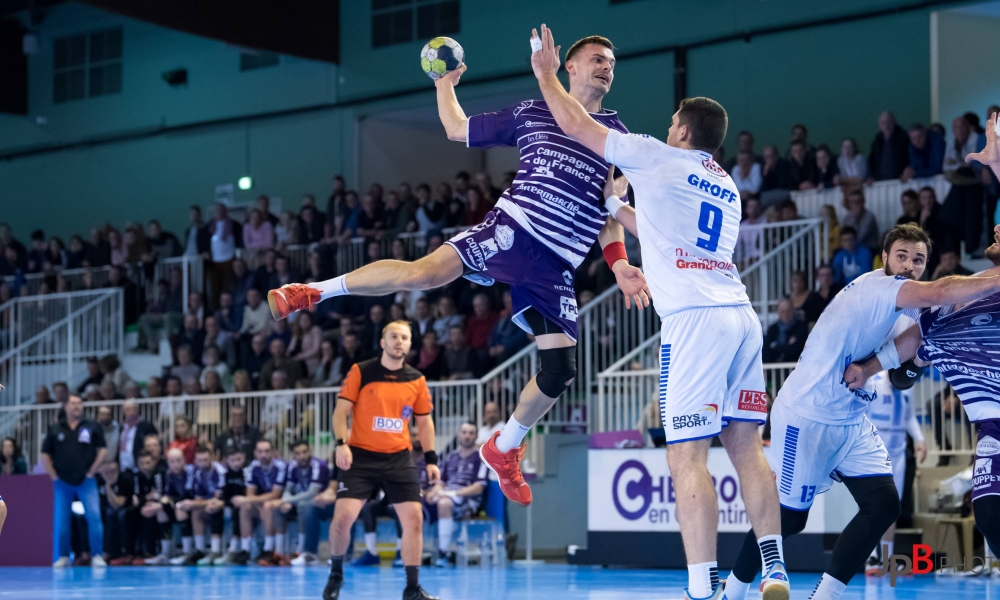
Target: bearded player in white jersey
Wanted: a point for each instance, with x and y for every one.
(819, 429)
(712, 381)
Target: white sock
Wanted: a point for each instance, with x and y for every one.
(399, 544)
(302, 543)
(279, 543)
(199, 543)
(186, 543)
(445, 527)
(216, 545)
(332, 287)
(234, 544)
(268, 543)
(370, 539)
(511, 436)
(245, 544)
(770, 551)
(736, 589)
(165, 548)
(828, 588)
(700, 579)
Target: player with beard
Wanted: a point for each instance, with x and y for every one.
(381, 395)
(549, 219)
(819, 431)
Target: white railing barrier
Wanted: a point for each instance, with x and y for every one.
(70, 328)
(882, 198)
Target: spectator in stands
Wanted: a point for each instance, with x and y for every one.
(370, 219)
(154, 387)
(184, 438)
(306, 339)
(263, 205)
(92, 393)
(746, 176)
(826, 175)
(931, 222)
(910, 202)
(60, 393)
(371, 332)
(112, 432)
(213, 364)
(890, 153)
(829, 216)
(71, 454)
(777, 178)
(477, 206)
(185, 367)
(430, 360)
(397, 217)
(162, 244)
(446, 318)
(254, 359)
(222, 341)
(130, 294)
(94, 375)
(279, 361)
(76, 255)
(266, 277)
(481, 323)
(328, 371)
(788, 211)
(196, 306)
(240, 435)
(197, 239)
(806, 303)
(256, 315)
(112, 369)
(241, 283)
(151, 444)
(460, 492)
(229, 316)
(283, 272)
(962, 210)
(137, 244)
(280, 330)
(242, 382)
(8, 240)
(853, 167)
(192, 387)
(460, 362)
(800, 166)
(744, 143)
(258, 235)
(485, 184)
(423, 319)
(949, 265)
(192, 336)
(430, 211)
(826, 287)
(11, 460)
(223, 243)
(119, 249)
(862, 221)
(852, 260)
(98, 254)
(175, 388)
(926, 154)
(211, 383)
(351, 352)
(786, 338)
(133, 433)
(492, 423)
(310, 226)
(157, 316)
(36, 256)
(108, 391)
(55, 255)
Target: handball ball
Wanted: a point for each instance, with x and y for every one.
(441, 56)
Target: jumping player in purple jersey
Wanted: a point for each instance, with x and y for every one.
(535, 238)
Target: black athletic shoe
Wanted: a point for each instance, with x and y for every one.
(193, 558)
(416, 593)
(239, 558)
(333, 585)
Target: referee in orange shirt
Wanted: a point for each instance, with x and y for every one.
(382, 393)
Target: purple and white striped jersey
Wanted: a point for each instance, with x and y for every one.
(300, 478)
(264, 480)
(964, 346)
(203, 483)
(558, 193)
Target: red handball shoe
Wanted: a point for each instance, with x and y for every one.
(507, 466)
(291, 298)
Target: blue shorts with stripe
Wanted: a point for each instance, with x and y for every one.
(807, 456)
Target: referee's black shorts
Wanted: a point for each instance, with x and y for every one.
(393, 473)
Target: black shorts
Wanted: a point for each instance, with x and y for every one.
(393, 473)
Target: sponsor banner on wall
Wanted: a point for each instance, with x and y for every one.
(632, 490)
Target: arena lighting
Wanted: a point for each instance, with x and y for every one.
(245, 183)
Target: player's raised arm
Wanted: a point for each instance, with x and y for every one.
(900, 350)
(616, 188)
(452, 116)
(990, 155)
(948, 290)
(570, 115)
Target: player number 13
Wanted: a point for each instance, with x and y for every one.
(710, 223)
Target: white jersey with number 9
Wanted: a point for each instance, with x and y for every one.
(688, 214)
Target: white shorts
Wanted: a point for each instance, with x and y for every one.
(807, 456)
(895, 445)
(710, 371)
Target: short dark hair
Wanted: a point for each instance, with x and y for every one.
(234, 451)
(297, 443)
(145, 454)
(473, 423)
(201, 449)
(707, 121)
(590, 39)
(917, 127)
(264, 441)
(908, 232)
(848, 230)
(910, 194)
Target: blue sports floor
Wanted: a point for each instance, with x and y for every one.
(548, 582)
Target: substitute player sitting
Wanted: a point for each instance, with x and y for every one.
(534, 240)
(382, 394)
(687, 217)
(265, 481)
(819, 431)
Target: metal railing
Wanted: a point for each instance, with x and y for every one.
(882, 198)
(65, 329)
(800, 246)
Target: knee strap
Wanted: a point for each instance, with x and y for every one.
(558, 369)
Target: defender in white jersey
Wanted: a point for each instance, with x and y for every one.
(819, 431)
(687, 219)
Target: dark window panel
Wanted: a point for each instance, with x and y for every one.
(113, 41)
(77, 84)
(402, 26)
(61, 53)
(437, 19)
(60, 88)
(113, 78)
(383, 4)
(96, 81)
(77, 50)
(97, 47)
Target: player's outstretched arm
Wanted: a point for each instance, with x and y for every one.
(452, 116)
(904, 347)
(948, 290)
(571, 117)
(990, 155)
(630, 279)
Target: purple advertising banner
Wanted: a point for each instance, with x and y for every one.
(26, 540)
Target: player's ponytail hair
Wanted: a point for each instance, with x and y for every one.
(908, 232)
(707, 121)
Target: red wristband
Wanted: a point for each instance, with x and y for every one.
(614, 252)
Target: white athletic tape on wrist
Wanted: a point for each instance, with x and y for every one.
(613, 204)
(888, 357)
(536, 44)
